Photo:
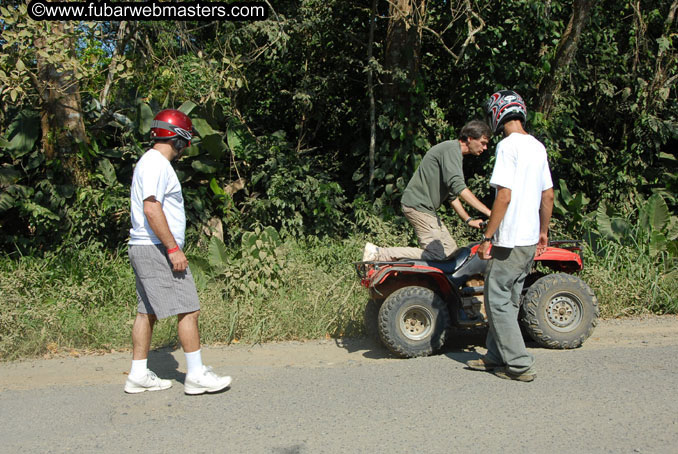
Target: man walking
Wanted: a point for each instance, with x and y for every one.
(438, 178)
(517, 228)
(164, 282)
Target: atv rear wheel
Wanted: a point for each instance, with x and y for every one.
(559, 311)
(413, 321)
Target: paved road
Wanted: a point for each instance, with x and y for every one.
(617, 394)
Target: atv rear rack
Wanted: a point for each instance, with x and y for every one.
(362, 268)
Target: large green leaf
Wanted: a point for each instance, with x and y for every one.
(234, 138)
(205, 166)
(203, 128)
(22, 133)
(273, 235)
(605, 224)
(658, 243)
(39, 211)
(672, 229)
(565, 192)
(558, 207)
(144, 117)
(191, 151)
(621, 228)
(187, 107)
(248, 240)
(216, 189)
(201, 271)
(6, 202)
(578, 203)
(655, 214)
(9, 175)
(108, 172)
(214, 144)
(218, 255)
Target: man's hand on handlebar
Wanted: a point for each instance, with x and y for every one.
(476, 223)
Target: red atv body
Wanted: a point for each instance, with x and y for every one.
(415, 305)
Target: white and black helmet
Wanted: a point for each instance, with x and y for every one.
(503, 106)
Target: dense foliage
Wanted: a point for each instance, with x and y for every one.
(283, 108)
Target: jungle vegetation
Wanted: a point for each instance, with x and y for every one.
(312, 122)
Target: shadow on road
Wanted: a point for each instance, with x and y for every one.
(371, 348)
(163, 363)
(461, 346)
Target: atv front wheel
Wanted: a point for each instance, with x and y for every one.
(559, 311)
(413, 322)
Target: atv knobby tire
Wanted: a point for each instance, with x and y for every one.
(413, 321)
(559, 311)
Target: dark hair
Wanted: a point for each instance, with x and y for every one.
(475, 129)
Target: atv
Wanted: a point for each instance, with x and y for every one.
(416, 305)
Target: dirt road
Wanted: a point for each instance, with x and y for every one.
(618, 393)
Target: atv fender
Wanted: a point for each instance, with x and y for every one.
(565, 259)
(403, 274)
(559, 259)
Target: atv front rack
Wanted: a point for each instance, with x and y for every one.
(576, 244)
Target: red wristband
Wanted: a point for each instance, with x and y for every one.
(173, 250)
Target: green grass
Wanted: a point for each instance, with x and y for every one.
(84, 297)
(629, 280)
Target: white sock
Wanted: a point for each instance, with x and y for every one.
(139, 367)
(193, 363)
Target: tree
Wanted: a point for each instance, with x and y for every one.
(46, 73)
(403, 48)
(565, 52)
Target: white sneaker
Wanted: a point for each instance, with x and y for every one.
(148, 382)
(206, 382)
(370, 253)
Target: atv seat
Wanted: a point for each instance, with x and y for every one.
(450, 264)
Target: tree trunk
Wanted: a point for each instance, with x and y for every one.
(370, 90)
(403, 48)
(567, 48)
(61, 117)
(122, 37)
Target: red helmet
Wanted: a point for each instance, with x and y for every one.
(503, 106)
(172, 124)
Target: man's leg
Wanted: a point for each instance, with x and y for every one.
(140, 378)
(435, 241)
(506, 274)
(142, 331)
(187, 329)
(199, 379)
(433, 236)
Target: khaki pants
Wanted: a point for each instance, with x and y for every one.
(435, 241)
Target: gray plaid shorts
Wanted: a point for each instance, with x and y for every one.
(161, 291)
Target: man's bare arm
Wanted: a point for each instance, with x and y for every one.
(472, 200)
(545, 211)
(158, 222)
(499, 208)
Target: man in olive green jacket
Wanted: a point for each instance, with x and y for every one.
(438, 178)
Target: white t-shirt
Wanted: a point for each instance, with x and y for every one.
(155, 177)
(522, 167)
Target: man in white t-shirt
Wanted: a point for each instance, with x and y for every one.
(165, 286)
(517, 228)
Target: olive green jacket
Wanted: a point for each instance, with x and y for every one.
(440, 176)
